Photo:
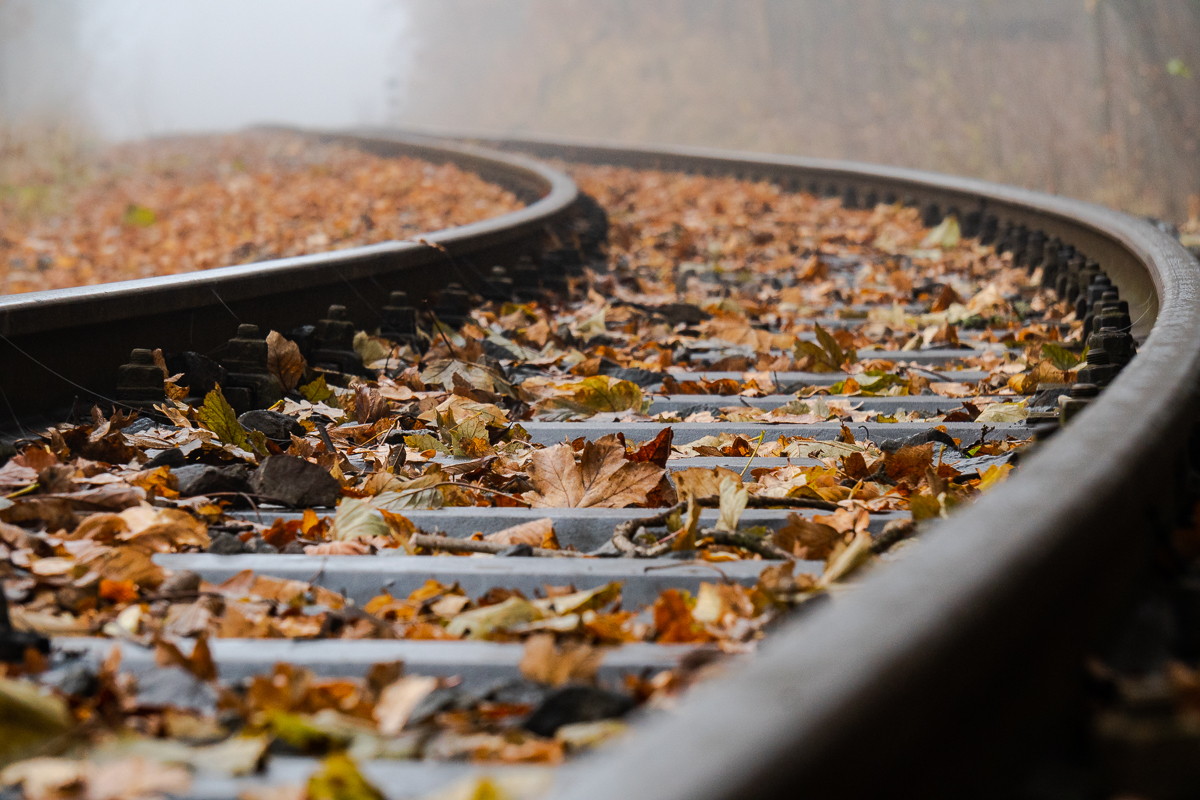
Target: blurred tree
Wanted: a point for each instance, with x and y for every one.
(1010, 90)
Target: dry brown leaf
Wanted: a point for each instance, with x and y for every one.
(807, 539)
(603, 479)
(285, 361)
(399, 700)
(908, 463)
(547, 663)
(535, 533)
(701, 481)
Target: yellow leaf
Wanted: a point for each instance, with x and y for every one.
(219, 417)
(993, 475)
(595, 395)
(479, 622)
(945, 235)
(339, 779)
(1003, 412)
(317, 391)
(29, 717)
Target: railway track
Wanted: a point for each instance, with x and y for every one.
(937, 672)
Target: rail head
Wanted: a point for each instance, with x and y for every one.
(938, 670)
(84, 333)
(547, 193)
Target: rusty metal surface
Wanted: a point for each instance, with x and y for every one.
(85, 333)
(937, 675)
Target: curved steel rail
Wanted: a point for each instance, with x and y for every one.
(939, 675)
(58, 345)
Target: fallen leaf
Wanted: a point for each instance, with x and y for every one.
(29, 717)
(480, 622)
(285, 361)
(338, 778)
(219, 417)
(806, 539)
(702, 481)
(993, 476)
(357, 519)
(673, 621)
(951, 389)
(734, 497)
(657, 450)
(1003, 413)
(603, 479)
(399, 700)
(908, 463)
(594, 395)
(535, 533)
(547, 663)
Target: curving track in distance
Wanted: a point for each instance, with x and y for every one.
(934, 677)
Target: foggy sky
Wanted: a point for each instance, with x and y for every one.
(130, 68)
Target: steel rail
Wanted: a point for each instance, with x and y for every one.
(942, 674)
(83, 334)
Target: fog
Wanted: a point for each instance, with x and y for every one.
(1098, 99)
(132, 68)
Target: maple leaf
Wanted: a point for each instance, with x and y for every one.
(656, 451)
(604, 478)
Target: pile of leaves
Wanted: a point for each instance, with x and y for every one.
(180, 718)
(705, 275)
(189, 203)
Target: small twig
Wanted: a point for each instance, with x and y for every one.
(693, 563)
(438, 542)
(757, 501)
(463, 486)
(762, 435)
(195, 593)
(755, 544)
(623, 534)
